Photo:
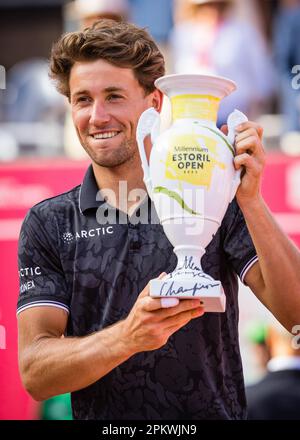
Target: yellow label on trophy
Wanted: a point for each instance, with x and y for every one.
(192, 158)
(195, 106)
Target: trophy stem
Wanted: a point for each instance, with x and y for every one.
(189, 281)
(189, 259)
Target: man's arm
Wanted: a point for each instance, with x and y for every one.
(275, 279)
(51, 364)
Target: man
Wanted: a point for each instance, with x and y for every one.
(277, 395)
(212, 39)
(89, 11)
(87, 325)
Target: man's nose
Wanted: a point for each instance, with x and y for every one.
(99, 114)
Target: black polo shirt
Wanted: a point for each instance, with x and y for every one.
(95, 272)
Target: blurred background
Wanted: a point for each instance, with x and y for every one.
(253, 42)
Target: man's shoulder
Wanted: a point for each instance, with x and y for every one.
(58, 204)
(60, 200)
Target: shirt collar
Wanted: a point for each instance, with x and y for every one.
(279, 363)
(88, 192)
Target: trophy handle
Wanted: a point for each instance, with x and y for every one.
(234, 119)
(149, 122)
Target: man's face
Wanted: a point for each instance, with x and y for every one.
(106, 103)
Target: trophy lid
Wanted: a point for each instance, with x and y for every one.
(176, 84)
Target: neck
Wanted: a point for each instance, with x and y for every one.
(120, 181)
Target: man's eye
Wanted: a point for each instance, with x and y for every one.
(83, 99)
(114, 97)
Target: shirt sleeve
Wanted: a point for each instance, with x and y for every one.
(42, 281)
(238, 244)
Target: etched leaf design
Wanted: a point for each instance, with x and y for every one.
(222, 137)
(175, 196)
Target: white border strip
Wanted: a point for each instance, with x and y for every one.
(79, 197)
(43, 303)
(250, 263)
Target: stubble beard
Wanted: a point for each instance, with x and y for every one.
(126, 152)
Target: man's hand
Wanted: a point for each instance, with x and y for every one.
(152, 321)
(250, 155)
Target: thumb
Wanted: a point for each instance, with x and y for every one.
(224, 129)
(145, 291)
(260, 132)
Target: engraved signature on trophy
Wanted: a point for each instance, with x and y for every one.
(189, 264)
(189, 268)
(181, 290)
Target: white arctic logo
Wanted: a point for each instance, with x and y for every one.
(68, 237)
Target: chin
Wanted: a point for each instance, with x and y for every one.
(109, 162)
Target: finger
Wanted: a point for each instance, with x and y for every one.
(245, 134)
(224, 129)
(250, 124)
(145, 291)
(172, 306)
(183, 318)
(185, 305)
(169, 302)
(242, 160)
(250, 164)
(150, 304)
(249, 145)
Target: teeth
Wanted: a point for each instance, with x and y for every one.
(107, 135)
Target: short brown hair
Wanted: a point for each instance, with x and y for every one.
(121, 44)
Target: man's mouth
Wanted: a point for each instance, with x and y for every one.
(106, 135)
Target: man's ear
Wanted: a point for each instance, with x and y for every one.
(157, 100)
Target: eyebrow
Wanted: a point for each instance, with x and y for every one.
(114, 89)
(109, 89)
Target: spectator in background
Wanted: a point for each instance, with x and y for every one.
(277, 395)
(211, 40)
(30, 96)
(256, 335)
(88, 12)
(57, 408)
(287, 55)
(157, 17)
(34, 112)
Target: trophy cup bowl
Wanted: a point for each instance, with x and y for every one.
(191, 179)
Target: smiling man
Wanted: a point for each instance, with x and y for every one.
(87, 325)
(106, 104)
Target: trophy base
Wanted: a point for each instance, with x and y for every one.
(210, 292)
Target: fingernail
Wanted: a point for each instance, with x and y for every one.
(169, 302)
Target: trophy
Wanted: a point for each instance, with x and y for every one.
(191, 179)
